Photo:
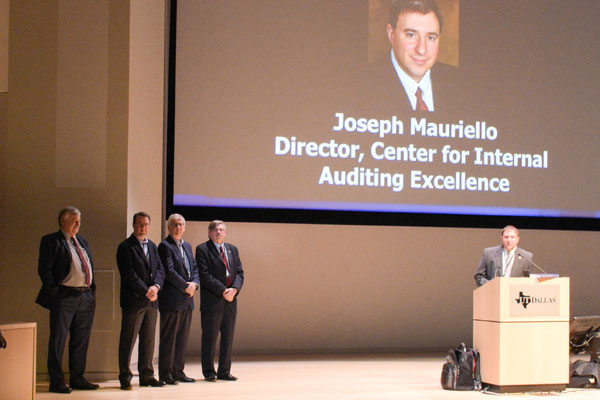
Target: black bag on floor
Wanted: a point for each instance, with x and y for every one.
(461, 371)
(584, 374)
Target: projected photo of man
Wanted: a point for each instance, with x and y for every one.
(410, 73)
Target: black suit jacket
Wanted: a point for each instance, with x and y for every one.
(54, 264)
(172, 296)
(138, 273)
(212, 274)
(385, 94)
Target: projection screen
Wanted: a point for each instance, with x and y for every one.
(295, 111)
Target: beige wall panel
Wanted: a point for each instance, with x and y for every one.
(82, 91)
(146, 87)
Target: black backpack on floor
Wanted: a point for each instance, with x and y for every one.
(461, 371)
(584, 374)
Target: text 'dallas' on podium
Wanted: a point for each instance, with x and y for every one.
(521, 329)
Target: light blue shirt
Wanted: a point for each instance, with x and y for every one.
(410, 86)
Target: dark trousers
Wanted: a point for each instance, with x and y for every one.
(222, 320)
(134, 322)
(174, 333)
(71, 314)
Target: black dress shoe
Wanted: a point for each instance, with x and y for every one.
(83, 384)
(125, 386)
(61, 388)
(226, 377)
(184, 379)
(168, 379)
(211, 378)
(152, 382)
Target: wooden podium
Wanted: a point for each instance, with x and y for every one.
(17, 361)
(521, 329)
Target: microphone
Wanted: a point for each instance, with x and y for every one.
(535, 265)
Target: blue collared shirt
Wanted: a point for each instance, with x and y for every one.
(410, 86)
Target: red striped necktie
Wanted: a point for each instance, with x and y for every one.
(228, 277)
(421, 106)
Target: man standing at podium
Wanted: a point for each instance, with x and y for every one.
(504, 260)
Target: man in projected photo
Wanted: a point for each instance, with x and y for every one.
(504, 260)
(414, 29)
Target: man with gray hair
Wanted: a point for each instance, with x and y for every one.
(176, 301)
(68, 290)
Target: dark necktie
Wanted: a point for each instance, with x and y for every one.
(421, 106)
(228, 276)
(186, 262)
(84, 265)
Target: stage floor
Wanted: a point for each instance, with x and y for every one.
(310, 377)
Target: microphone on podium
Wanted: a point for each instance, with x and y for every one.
(544, 275)
(498, 271)
(537, 266)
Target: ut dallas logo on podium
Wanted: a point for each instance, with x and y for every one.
(540, 300)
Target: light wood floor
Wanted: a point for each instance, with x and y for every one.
(311, 378)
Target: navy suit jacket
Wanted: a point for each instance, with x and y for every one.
(172, 296)
(212, 274)
(138, 273)
(54, 264)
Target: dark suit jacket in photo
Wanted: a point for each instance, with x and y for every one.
(54, 264)
(385, 94)
(212, 274)
(490, 264)
(138, 273)
(172, 296)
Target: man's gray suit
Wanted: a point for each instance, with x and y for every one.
(490, 265)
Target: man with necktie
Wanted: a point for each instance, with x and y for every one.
(221, 279)
(504, 260)
(409, 79)
(142, 276)
(68, 290)
(176, 301)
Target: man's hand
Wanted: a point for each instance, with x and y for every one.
(229, 294)
(152, 293)
(190, 289)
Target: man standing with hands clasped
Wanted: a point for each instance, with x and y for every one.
(176, 302)
(142, 276)
(221, 279)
